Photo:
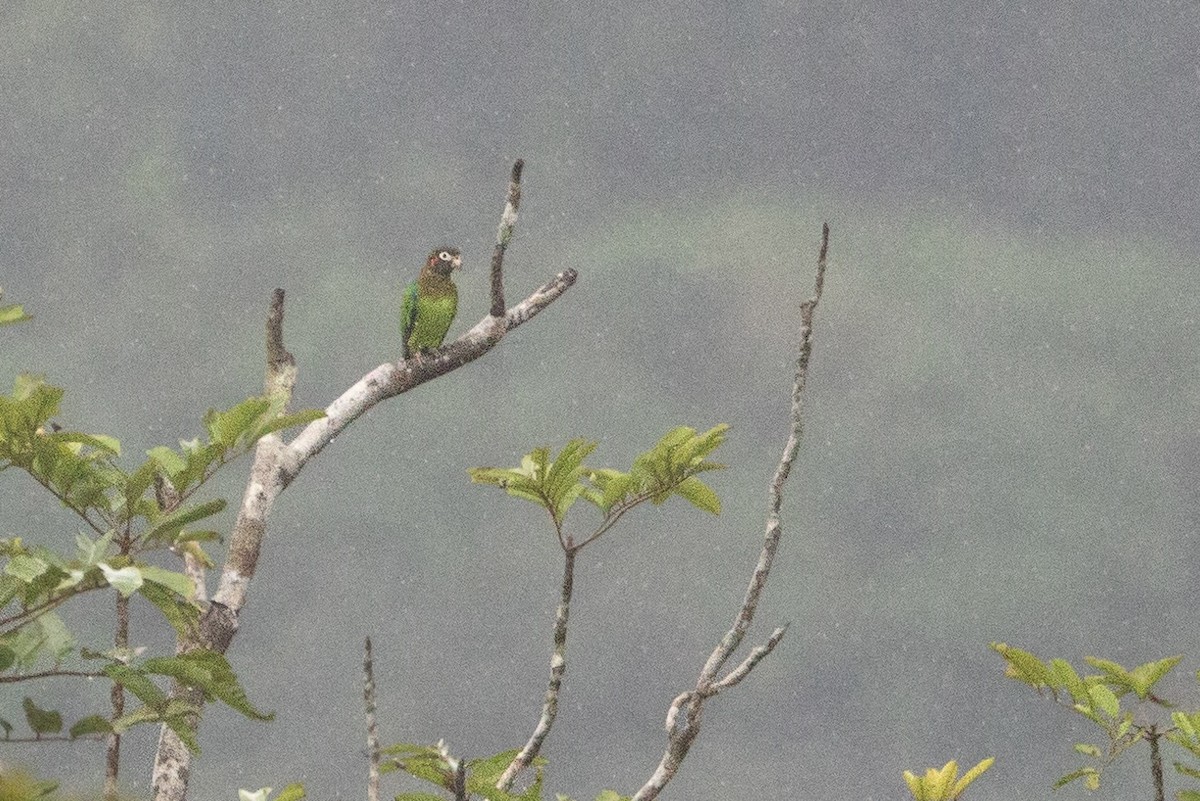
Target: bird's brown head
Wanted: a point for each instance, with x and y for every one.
(444, 260)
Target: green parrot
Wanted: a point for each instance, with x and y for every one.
(430, 302)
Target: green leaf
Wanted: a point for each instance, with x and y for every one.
(167, 460)
(1187, 770)
(1105, 700)
(1144, 677)
(258, 795)
(14, 313)
(420, 797)
(136, 681)
(1065, 676)
(289, 421)
(26, 568)
(293, 792)
(1024, 666)
(92, 724)
(180, 613)
(178, 583)
(42, 721)
(612, 795)
(169, 526)
(1089, 773)
(225, 428)
(7, 658)
(126, 580)
(210, 672)
(1087, 749)
(699, 495)
(1188, 795)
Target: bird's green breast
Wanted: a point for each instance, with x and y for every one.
(436, 305)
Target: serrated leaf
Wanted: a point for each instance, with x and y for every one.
(42, 721)
(92, 724)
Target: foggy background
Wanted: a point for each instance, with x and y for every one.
(1002, 415)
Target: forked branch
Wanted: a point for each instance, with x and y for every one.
(686, 711)
(276, 463)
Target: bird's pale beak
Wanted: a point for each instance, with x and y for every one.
(457, 262)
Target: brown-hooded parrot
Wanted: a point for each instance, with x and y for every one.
(430, 302)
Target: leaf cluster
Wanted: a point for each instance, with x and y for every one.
(1101, 698)
(944, 784)
(435, 765)
(129, 515)
(556, 482)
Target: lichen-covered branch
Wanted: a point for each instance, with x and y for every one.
(276, 463)
(686, 712)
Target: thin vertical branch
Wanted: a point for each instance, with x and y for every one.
(112, 761)
(558, 669)
(686, 711)
(372, 725)
(504, 235)
(1156, 765)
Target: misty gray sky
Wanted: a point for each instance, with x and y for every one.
(1003, 418)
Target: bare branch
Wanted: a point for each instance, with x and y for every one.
(558, 668)
(504, 234)
(372, 725)
(686, 711)
(277, 464)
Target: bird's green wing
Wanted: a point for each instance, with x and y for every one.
(408, 315)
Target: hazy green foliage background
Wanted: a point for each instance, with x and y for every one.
(1003, 408)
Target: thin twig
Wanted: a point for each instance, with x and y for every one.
(686, 712)
(558, 669)
(112, 761)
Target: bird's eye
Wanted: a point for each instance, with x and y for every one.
(446, 255)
